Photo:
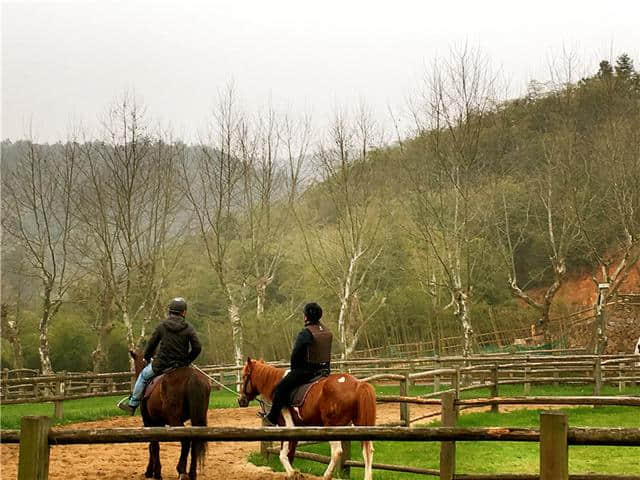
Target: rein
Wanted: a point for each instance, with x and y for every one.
(215, 381)
(259, 400)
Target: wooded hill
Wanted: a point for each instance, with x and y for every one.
(446, 231)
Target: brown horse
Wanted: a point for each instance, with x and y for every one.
(182, 394)
(336, 400)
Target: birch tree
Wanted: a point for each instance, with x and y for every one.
(272, 150)
(451, 115)
(129, 207)
(213, 179)
(346, 253)
(17, 294)
(608, 189)
(547, 213)
(37, 213)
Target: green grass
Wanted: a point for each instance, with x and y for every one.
(515, 390)
(499, 457)
(88, 409)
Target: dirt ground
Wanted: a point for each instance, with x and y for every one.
(225, 460)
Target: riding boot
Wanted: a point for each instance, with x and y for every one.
(124, 405)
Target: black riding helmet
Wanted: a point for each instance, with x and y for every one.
(178, 305)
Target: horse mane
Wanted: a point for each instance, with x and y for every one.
(267, 375)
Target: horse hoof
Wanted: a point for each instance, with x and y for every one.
(183, 476)
(296, 475)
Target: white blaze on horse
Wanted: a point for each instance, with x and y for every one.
(336, 400)
(636, 351)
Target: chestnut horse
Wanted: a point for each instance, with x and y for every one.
(336, 400)
(182, 394)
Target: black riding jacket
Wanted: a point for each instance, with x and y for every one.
(179, 344)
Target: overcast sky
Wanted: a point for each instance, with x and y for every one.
(65, 62)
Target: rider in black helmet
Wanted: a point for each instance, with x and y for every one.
(310, 357)
(177, 344)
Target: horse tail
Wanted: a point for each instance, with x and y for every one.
(366, 411)
(366, 416)
(198, 392)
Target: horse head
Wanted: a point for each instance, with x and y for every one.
(248, 391)
(138, 361)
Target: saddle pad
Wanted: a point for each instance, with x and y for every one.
(299, 395)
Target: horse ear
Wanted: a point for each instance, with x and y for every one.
(248, 360)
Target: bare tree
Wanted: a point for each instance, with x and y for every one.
(451, 116)
(346, 253)
(129, 208)
(17, 293)
(609, 188)
(272, 151)
(548, 214)
(38, 214)
(213, 182)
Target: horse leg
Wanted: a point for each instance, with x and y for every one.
(336, 453)
(182, 463)
(196, 447)
(154, 469)
(284, 450)
(367, 456)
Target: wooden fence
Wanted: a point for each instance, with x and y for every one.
(554, 436)
(455, 373)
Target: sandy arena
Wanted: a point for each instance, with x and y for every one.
(127, 461)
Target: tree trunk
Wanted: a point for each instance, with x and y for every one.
(99, 355)
(344, 306)
(43, 330)
(237, 334)
(462, 312)
(43, 347)
(261, 295)
(601, 334)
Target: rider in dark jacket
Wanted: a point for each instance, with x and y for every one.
(177, 345)
(310, 357)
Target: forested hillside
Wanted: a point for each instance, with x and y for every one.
(471, 220)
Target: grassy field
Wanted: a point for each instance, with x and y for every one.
(515, 390)
(499, 457)
(88, 409)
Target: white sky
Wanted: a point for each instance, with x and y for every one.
(65, 62)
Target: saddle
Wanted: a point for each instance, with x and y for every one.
(299, 394)
(155, 381)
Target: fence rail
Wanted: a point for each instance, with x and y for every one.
(554, 435)
(457, 372)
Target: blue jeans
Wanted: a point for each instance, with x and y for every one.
(146, 375)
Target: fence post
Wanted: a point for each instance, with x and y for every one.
(448, 449)
(436, 378)
(34, 448)
(527, 369)
(597, 376)
(58, 411)
(265, 444)
(404, 406)
(554, 453)
(495, 408)
(621, 383)
(455, 382)
(344, 471)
